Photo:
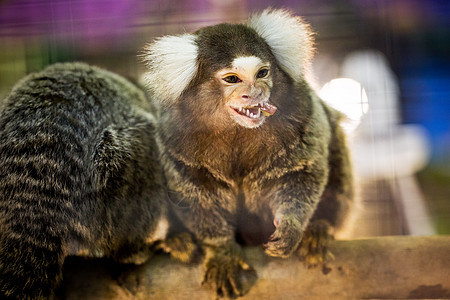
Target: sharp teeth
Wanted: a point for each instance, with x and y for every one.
(248, 111)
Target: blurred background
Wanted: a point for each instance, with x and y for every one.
(385, 63)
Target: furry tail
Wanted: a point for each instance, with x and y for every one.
(35, 202)
(29, 268)
(32, 234)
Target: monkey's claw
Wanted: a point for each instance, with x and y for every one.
(313, 249)
(229, 275)
(284, 241)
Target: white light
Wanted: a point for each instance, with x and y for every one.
(347, 96)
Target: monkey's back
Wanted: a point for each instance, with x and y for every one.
(50, 126)
(75, 146)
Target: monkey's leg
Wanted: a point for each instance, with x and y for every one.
(226, 269)
(181, 246)
(335, 204)
(227, 272)
(207, 208)
(130, 183)
(313, 249)
(127, 263)
(136, 252)
(293, 205)
(128, 271)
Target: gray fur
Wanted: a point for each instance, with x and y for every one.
(267, 185)
(78, 174)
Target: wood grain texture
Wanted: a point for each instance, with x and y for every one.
(376, 268)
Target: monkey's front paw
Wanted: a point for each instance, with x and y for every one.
(285, 239)
(313, 249)
(229, 274)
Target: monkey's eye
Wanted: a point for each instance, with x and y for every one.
(262, 73)
(232, 79)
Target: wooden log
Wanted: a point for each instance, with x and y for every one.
(386, 267)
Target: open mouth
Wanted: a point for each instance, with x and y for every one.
(255, 111)
(253, 115)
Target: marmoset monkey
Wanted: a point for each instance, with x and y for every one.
(250, 153)
(79, 171)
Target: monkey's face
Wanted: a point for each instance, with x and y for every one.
(231, 74)
(246, 89)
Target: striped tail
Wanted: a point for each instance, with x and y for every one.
(35, 214)
(29, 269)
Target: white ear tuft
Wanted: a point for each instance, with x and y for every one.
(172, 63)
(289, 38)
